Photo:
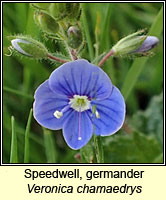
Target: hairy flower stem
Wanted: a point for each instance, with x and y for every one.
(64, 39)
(110, 53)
(73, 53)
(98, 149)
(57, 59)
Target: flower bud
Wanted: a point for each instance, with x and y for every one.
(128, 44)
(73, 10)
(46, 23)
(74, 37)
(29, 47)
(149, 43)
(41, 6)
(61, 10)
(58, 10)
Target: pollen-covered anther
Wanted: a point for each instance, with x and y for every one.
(97, 114)
(58, 114)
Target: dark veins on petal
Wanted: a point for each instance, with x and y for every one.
(71, 91)
(66, 92)
(75, 87)
(107, 115)
(92, 91)
(116, 112)
(85, 90)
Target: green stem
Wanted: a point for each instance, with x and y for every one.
(50, 148)
(56, 58)
(27, 131)
(110, 53)
(87, 35)
(13, 152)
(64, 39)
(17, 92)
(97, 36)
(99, 149)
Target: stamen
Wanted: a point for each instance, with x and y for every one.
(58, 114)
(65, 108)
(97, 114)
(94, 111)
(79, 125)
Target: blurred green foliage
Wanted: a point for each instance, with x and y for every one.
(132, 148)
(141, 141)
(150, 121)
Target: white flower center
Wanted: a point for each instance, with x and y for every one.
(80, 103)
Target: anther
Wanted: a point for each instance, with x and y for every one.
(97, 114)
(58, 114)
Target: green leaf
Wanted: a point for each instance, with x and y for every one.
(87, 35)
(138, 65)
(105, 39)
(21, 17)
(27, 132)
(87, 153)
(13, 152)
(159, 159)
(150, 121)
(17, 92)
(132, 148)
(49, 146)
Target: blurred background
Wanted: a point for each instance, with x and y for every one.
(141, 138)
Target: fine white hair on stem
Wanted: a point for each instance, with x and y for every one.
(10, 48)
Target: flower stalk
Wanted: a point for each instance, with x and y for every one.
(56, 58)
(99, 149)
(110, 53)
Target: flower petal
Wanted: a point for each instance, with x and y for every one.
(46, 103)
(80, 78)
(111, 114)
(73, 129)
(149, 43)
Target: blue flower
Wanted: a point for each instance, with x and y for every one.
(79, 98)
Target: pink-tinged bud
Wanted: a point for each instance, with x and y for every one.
(149, 43)
(74, 37)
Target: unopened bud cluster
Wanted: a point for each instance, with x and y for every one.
(60, 11)
(58, 21)
(52, 18)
